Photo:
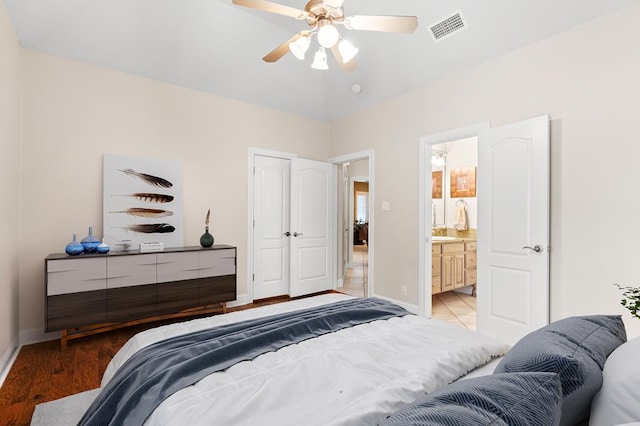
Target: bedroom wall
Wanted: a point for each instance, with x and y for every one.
(73, 113)
(586, 78)
(9, 186)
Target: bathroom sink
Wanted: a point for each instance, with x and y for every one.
(442, 238)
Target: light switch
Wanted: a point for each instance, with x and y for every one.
(385, 206)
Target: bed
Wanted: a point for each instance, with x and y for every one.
(371, 373)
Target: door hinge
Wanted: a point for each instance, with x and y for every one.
(254, 170)
(253, 277)
(254, 223)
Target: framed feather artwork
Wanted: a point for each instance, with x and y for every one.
(142, 201)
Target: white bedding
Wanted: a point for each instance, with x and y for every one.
(354, 376)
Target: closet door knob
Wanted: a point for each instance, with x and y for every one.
(286, 234)
(537, 248)
(295, 234)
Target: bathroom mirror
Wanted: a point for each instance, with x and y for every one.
(438, 176)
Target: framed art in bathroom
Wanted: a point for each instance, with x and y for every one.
(463, 182)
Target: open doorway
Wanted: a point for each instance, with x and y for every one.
(355, 223)
(447, 253)
(454, 219)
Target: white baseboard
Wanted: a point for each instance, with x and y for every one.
(241, 299)
(36, 335)
(414, 309)
(7, 360)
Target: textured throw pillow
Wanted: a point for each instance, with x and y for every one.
(576, 349)
(619, 398)
(496, 400)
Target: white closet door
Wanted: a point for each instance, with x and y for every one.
(312, 227)
(271, 214)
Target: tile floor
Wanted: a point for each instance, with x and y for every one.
(456, 308)
(356, 278)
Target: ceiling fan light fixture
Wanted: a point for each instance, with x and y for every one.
(347, 51)
(320, 60)
(328, 35)
(300, 47)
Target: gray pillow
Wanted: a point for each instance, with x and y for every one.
(576, 349)
(502, 399)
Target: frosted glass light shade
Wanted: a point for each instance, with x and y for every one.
(347, 51)
(300, 47)
(328, 36)
(320, 60)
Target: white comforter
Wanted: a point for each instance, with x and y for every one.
(356, 376)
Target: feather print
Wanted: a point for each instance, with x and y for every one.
(151, 228)
(142, 212)
(149, 197)
(150, 179)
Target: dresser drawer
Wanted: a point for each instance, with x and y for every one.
(215, 263)
(128, 271)
(471, 246)
(177, 266)
(76, 275)
(452, 248)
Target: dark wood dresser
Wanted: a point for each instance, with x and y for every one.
(93, 293)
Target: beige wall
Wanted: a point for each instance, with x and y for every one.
(9, 184)
(73, 113)
(587, 79)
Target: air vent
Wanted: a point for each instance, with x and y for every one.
(447, 26)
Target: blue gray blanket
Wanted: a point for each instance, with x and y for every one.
(159, 370)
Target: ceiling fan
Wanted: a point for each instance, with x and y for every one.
(322, 16)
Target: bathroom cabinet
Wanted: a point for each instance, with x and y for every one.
(453, 265)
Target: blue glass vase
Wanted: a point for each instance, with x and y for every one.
(102, 248)
(90, 243)
(74, 248)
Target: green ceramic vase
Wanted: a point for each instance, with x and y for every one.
(206, 240)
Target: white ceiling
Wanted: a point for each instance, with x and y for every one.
(217, 47)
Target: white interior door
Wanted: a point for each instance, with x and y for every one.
(271, 225)
(312, 229)
(513, 229)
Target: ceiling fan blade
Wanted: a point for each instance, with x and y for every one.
(335, 4)
(349, 66)
(283, 49)
(268, 6)
(392, 24)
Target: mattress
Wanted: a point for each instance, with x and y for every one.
(358, 375)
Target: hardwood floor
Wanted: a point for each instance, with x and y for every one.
(42, 372)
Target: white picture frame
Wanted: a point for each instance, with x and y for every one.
(142, 202)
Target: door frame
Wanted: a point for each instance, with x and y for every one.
(369, 155)
(424, 200)
(352, 193)
(253, 152)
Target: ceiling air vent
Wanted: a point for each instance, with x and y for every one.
(447, 26)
